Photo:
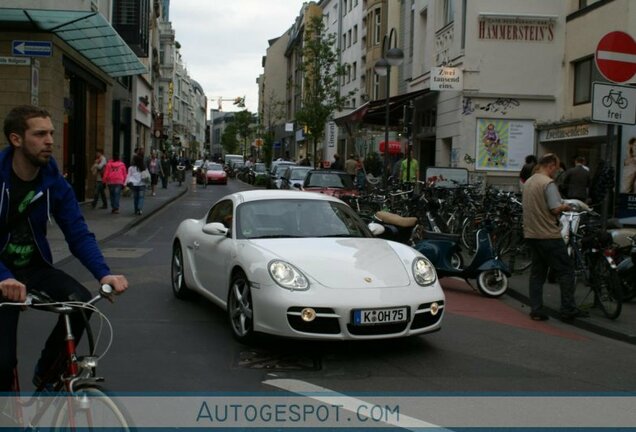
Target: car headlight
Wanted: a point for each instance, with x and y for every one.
(287, 276)
(424, 272)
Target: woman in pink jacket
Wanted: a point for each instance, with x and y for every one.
(114, 176)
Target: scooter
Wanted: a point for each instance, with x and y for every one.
(624, 240)
(485, 266)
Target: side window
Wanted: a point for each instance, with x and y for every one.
(221, 212)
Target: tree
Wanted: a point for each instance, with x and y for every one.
(243, 121)
(228, 139)
(274, 111)
(321, 83)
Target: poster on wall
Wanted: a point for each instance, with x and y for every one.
(627, 182)
(502, 144)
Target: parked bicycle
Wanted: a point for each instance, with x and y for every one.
(73, 398)
(591, 249)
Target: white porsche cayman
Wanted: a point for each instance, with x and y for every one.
(304, 265)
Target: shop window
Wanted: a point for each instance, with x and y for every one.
(582, 81)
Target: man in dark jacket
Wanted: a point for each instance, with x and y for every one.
(576, 180)
(31, 191)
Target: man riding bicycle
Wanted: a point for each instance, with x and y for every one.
(32, 190)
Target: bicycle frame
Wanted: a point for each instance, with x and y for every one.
(79, 370)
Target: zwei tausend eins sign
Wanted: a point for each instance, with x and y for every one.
(523, 28)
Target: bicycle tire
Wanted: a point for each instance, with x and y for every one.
(607, 288)
(92, 409)
(469, 234)
(518, 252)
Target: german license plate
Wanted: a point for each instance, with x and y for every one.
(380, 316)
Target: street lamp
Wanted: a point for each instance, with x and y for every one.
(394, 56)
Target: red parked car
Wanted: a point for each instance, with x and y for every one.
(211, 173)
(336, 183)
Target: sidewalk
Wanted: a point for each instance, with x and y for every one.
(106, 225)
(622, 328)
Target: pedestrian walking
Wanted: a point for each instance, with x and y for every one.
(409, 169)
(526, 170)
(136, 183)
(98, 170)
(166, 168)
(154, 167)
(350, 166)
(114, 177)
(576, 180)
(542, 206)
(337, 163)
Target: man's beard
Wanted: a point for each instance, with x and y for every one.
(38, 161)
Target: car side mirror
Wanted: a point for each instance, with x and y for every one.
(376, 228)
(215, 228)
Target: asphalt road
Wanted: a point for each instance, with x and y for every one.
(163, 344)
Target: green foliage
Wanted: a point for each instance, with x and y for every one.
(229, 139)
(321, 85)
(261, 181)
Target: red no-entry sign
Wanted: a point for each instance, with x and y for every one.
(616, 56)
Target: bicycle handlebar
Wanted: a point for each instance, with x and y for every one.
(40, 300)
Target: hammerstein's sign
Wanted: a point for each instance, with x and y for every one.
(446, 78)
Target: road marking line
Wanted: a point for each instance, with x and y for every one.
(348, 403)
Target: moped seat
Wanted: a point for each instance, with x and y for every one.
(432, 235)
(397, 220)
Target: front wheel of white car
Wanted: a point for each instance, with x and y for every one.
(179, 287)
(240, 309)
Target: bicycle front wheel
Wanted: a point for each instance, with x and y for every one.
(89, 407)
(607, 288)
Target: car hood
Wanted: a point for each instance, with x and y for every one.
(343, 262)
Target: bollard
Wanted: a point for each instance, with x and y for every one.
(194, 183)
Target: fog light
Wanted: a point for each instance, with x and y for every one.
(308, 314)
(434, 309)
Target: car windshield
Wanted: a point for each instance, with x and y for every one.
(213, 167)
(260, 168)
(298, 174)
(327, 179)
(298, 218)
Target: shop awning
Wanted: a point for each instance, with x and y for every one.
(374, 112)
(87, 32)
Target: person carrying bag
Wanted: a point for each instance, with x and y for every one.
(137, 181)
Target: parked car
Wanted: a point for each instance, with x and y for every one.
(293, 177)
(303, 265)
(211, 173)
(336, 183)
(275, 171)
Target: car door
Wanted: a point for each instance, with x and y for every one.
(213, 253)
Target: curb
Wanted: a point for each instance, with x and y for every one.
(132, 224)
(577, 322)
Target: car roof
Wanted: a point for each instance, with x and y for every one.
(272, 194)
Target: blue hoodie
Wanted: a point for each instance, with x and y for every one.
(58, 200)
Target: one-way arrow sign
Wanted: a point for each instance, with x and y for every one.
(31, 48)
